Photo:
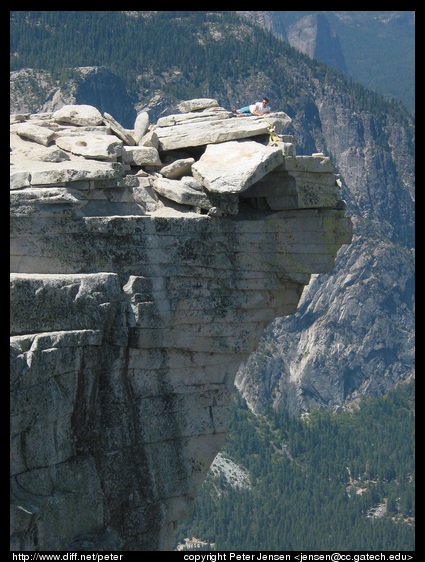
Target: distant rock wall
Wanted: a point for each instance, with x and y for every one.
(145, 265)
(94, 85)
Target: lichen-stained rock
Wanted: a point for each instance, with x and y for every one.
(88, 300)
(134, 300)
(61, 173)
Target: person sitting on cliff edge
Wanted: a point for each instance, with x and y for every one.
(258, 108)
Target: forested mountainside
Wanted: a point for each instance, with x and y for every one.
(374, 48)
(343, 481)
(354, 331)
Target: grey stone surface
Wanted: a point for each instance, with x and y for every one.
(132, 308)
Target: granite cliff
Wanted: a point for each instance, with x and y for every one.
(145, 265)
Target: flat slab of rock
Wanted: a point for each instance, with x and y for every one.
(40, 135)
(95, 147)
(199, 132)
(46, 173)
(232, 167)
(197, 104)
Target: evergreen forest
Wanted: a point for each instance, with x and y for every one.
(182, 54)
(319, 482)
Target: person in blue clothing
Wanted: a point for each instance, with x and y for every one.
(258, 108)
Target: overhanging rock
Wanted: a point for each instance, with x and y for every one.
(233, 166)
(132, 308)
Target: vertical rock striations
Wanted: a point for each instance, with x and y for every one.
(135, 296)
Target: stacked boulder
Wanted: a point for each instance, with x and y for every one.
(201, 159)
